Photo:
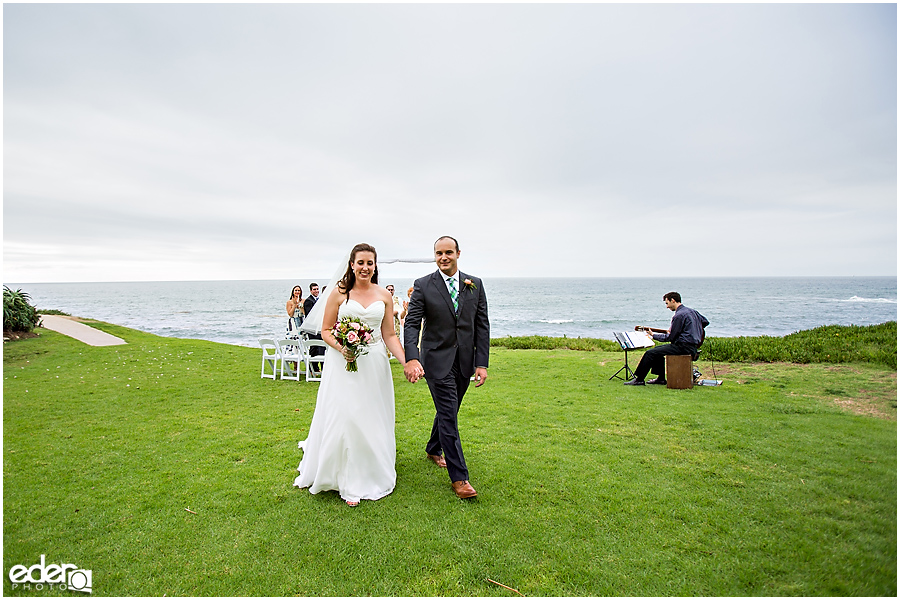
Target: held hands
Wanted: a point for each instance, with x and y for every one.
(413, 370)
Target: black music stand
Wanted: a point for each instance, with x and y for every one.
(628, 342)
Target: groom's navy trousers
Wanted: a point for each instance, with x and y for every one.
(447, 394)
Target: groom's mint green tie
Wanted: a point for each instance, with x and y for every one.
(453, 294)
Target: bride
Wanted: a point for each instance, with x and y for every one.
(351, 446)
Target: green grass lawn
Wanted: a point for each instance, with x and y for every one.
(783, 481)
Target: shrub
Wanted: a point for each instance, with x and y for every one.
(542, 342)
(826, 344)
(18, 313)
(52, 311)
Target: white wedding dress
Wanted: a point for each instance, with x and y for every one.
(351, 446)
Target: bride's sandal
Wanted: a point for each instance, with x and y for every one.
(352, 503)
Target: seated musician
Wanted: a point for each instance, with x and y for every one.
(685, 335)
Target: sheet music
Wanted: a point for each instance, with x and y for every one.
(634, 339)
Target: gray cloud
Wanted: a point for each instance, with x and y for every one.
(551, 139)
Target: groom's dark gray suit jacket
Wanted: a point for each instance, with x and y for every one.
(467, 332)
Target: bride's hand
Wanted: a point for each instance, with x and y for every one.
(348, 354)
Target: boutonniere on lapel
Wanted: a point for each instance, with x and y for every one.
(469, 285)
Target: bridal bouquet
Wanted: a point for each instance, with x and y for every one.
(355, 335)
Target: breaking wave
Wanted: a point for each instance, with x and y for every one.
(878, 300)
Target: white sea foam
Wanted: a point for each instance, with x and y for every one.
(556, 321)
(877, 300)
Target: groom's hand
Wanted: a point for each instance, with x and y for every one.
(413, 370)
(480, 376)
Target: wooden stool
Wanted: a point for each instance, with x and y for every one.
(679, 372)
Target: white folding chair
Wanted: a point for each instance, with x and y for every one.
(310, 360)
(270, 354)
(291, 353)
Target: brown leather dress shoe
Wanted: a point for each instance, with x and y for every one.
(438, 460)
(464, 489)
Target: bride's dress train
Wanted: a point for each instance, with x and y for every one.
(351, 446)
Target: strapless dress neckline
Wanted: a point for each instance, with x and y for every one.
(365, 307)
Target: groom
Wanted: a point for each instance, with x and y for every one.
(455, 345)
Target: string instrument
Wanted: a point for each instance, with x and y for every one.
(655, 330)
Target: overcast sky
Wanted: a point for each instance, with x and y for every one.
(216, 141)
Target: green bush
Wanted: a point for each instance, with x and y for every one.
(541, 342)
(18, 313)
(52, 311)
(826, 344)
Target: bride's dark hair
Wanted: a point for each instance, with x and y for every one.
(349, 279)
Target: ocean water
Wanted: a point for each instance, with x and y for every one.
(240, 312)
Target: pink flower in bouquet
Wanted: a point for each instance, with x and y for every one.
(353, 335)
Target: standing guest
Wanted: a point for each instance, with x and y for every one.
(395, 307)
(403, 314)
(455, 345)
(294, 308)
(685, 336)
(308, 306)
(406, 305)
(312, 298)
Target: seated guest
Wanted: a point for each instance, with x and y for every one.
(685, 336)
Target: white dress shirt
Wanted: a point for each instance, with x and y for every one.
(455, 278)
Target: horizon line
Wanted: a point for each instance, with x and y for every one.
(540, 277)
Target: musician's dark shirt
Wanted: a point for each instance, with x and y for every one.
(686, 328)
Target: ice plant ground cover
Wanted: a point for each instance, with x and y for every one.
(826, 344)
(165, 467)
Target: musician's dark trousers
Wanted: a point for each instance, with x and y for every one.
(654, 359)
(448, 394)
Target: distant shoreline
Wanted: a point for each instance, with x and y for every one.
(241, 312)
(485, 278)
